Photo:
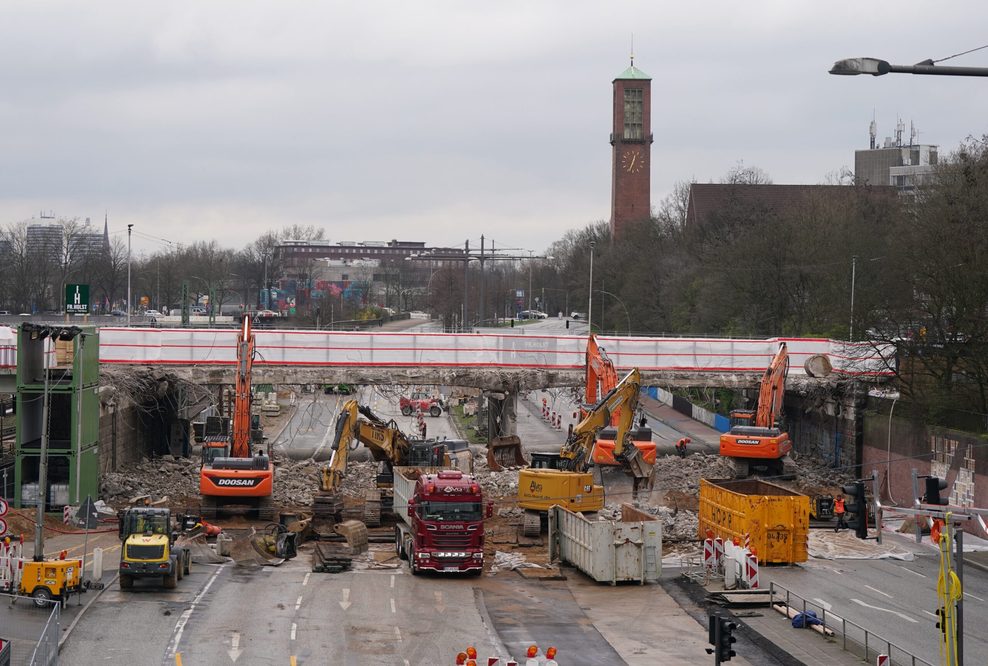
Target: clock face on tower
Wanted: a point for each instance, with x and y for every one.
(632, 161)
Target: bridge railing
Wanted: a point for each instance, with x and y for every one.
(544, 352)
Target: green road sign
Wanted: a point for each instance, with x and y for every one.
(77, 299)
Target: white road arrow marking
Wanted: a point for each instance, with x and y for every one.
(235, 650)
(345, 604)
(886, 610)
(440, 606)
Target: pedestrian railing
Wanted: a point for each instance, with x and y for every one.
(33, 631)
(853, 638)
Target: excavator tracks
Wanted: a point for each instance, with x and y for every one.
(532, 524)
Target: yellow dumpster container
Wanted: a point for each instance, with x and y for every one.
(776, 519)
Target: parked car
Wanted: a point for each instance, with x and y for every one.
(118, 313)
(267, 314)
(532, 314)
(578, 315)
(4, 313)
(198, 310)
(339, 389)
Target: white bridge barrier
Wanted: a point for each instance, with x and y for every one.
(141, 346)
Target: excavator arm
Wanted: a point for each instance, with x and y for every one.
(384, 439)
(773, 389)
(240, 443)
(623, 399)
(600, 373)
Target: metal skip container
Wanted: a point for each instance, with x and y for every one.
(775, 520)
(609, 551)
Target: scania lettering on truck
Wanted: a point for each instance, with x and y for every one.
(441, 520)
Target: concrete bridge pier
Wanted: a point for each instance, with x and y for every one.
(502, 413)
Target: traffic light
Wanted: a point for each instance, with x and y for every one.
(942, 621)
(720, 634)
(727, 639)
(859, 507)
(934, 485)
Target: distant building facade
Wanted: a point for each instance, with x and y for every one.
(904, 166)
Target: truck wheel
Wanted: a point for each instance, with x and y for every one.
(406, 410)
(42, 597)
(398, 549)
(435, 411)
(188, 562)
(170, 581)
(126, 582)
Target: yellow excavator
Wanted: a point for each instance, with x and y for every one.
(357, 424)
(564, 478)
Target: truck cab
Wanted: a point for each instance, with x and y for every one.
(442, 520)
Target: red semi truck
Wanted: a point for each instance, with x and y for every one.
(441, 519)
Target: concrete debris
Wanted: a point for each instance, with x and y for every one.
(677, 524)
(511, 561)
(684, 474)
(178, 478)
(295, 481)
(828, 545)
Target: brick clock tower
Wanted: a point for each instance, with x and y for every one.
(631, 137)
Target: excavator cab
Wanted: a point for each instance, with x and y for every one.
(742, 417)
(215, 446)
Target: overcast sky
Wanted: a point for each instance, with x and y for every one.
(441, 121)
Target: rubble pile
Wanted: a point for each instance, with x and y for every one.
(175, 477)
(295, 482)
(815, 477)
(684, 474)
(677, 524)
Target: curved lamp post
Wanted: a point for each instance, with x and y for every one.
(627, 316)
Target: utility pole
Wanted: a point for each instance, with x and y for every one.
(466, 292)
(39, 519)
(854, 270)
(590, 297)
(129, 227)
(482, 281)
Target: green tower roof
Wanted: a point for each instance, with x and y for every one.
(633, 73)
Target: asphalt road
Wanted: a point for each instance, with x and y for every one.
(894, 599)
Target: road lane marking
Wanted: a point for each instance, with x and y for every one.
(298, 602)
(393, 605)
(886, 610)
(823, 604)
(184, 618)
(294, 627)
(392, 581)
(968, 594)
(305, 581)
(345, 604)
(931, 614)
(397, 633)
(879, 591)
(234, 650)
(915, 573)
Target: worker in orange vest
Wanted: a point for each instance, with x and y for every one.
(681, 446)
(839, 512)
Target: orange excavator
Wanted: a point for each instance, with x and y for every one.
(601, 379)
(756, 439)
(232, 473)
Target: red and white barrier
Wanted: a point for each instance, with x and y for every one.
(883, 660)
(751, 571)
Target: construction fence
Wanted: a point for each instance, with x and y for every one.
(33, 632)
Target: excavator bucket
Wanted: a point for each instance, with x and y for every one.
(505, 452)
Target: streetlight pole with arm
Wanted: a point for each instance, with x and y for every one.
(129, 227)
(626, 315)
(590, 290)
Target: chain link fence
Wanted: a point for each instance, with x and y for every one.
(33, 631)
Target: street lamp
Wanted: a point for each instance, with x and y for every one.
(129, 227)
(878, 67)
(627, 316)
(593, 244)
